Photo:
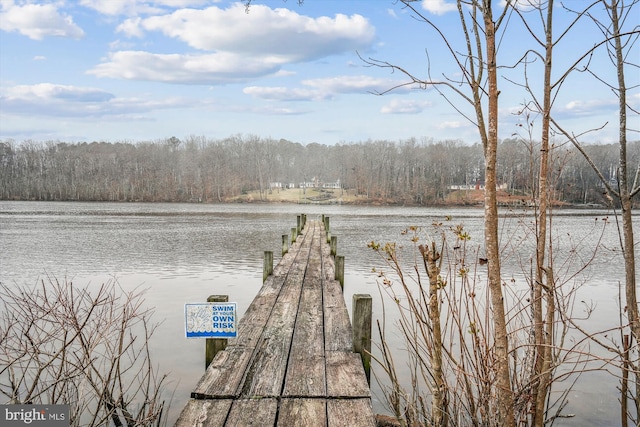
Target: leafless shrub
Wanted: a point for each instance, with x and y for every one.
(88, 348)
(445, 327)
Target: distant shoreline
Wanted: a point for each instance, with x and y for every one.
(474, 200)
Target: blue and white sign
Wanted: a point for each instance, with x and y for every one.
(211, 320)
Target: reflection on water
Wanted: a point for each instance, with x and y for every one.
(184, 252)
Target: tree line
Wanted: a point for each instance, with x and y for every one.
(412, 171)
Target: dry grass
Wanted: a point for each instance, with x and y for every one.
(348, 196)
(296, 195)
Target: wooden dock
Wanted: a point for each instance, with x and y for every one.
(292, 363)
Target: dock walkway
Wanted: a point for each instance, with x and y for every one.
(292, 362)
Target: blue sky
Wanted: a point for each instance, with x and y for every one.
(139, 70)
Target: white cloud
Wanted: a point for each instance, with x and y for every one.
(263, 31)
(53, 91)
(285, 94)
(404, 106)
(243, 45)
(588, 107)
(453, 125)
(524, 5)
(633, 100)
(354, 84)
(438, 7)
(137, 7)
(52, 100)
(121, 45)
(215, 68)
(277, 110)
(37, 21)
(324, 88)
(131, 27)
(111, 7)
(39, 58)
(284, 73)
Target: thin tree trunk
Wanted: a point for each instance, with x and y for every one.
(504, 392)
(625, 199)
(542, 374)
(439, 405)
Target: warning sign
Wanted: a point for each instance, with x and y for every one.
(211, 320)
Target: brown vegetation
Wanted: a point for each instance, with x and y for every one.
(84, 347)
(199, 169)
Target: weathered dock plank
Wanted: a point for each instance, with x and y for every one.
(350, 413)
(303, 412)
(338, 333)
(345, 375)
(205, 413)
(224, 375)
(253, 412)
(306, 368)
(292, 362)
(266, 373)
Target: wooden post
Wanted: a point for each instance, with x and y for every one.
(299, 227)
(334, 245)
(285, 244)
(213, 345)
(362, 313)
(294, 235)
(267, 267)
(327, 229)
(339, 274)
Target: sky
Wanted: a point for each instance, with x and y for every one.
(147, 70)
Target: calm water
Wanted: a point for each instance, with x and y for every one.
(182, 253)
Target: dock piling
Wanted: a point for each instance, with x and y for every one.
(285, 244)
(339, 267)
(362, 312)
(213, 345)
(267, 267)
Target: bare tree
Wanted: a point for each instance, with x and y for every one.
(61, 344)
(543, 292)
(478, 87)
(620, 36)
